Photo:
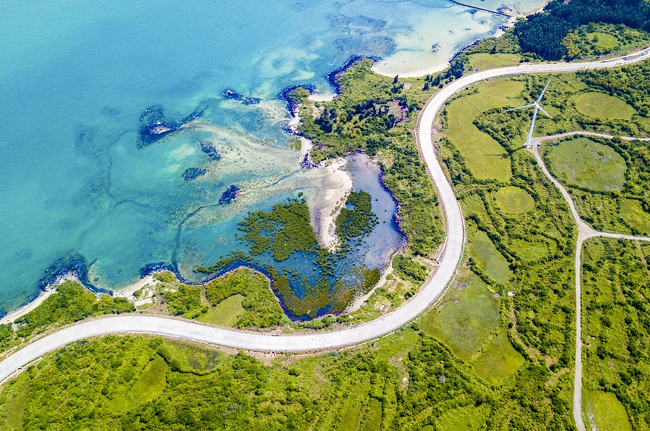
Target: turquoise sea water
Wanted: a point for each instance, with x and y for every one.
(77, 75)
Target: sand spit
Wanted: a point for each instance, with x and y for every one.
(336, 185)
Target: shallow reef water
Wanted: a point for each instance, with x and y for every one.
(127, 124)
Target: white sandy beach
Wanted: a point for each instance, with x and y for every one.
(13, 316)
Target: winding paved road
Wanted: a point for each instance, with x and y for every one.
(318, 341)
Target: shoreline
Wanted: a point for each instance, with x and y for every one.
(500, 31)
(148, 270)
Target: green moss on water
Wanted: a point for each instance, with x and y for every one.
(356, 220)
(284, 230)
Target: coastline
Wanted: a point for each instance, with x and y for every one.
(20, 312)
(148, 271)
(418, 73)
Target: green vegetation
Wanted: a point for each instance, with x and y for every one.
(625, 207)
(226, 313)
(377, 114)
(410, 269)
(616, 331)
(543, 33)
(70, 303)
(514, 200)
(635, 216)
(499, 361)
(597, 39)
(241, 298)
(486, 256)
(484, 60)
(261, 308)
(148, 385)
(356, 220)
(484, 157)
(284, 230)
(468, 418)
(467, 320)
(587, 164)
(407, 381)
(605, 412)
(601, 105)
(183, 300)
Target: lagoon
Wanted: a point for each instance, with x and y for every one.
(77, 76)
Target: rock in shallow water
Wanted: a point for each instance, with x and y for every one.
(193, 173)
(229, 195)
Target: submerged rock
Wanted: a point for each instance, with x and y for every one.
(233, 95)
(211, 152)
(229, 195)
(71, 264)
(193, 173)
(154, 125)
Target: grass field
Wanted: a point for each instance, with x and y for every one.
(148, 386)
(514, 200)
(225, 313)
(468, 418)
(485, 157)
(530, 250)
(482, 61)
(616, 335)
(585, 163)
(488, 258)
(603, 411)
(499, 361)
(15, 404)
(604, 106)
(603, 40)
(633, 214)
(467, 320)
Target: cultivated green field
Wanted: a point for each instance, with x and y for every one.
(514, 200)
(585, 163)
(485, 158)
(601, 105)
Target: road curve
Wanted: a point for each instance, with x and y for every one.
(318, 341)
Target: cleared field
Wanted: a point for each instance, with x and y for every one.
(484, 61)
(603, 40)
(499, 361)
(485, 158)
(466, 321)
(585, 163)
(633, 214)
(604, 106)
(514, 200)
(225, 313)
(604, 411)
(486, 255)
